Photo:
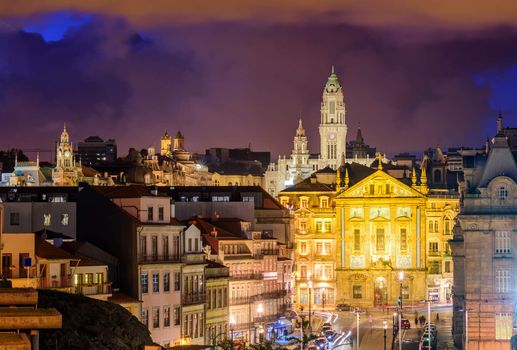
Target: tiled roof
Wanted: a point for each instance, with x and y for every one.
(356, 172)
(46, 250)
(309, 185)
(48, 234)
(131, 191)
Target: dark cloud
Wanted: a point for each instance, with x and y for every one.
(231, 84)
(99, 78)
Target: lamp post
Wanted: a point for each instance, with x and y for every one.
(357, 313)
(323, 298)
(310, 297)
(466, 330)
(260, 311)
(232, 324)
(385, 327)
(401, 278)
(428, 301)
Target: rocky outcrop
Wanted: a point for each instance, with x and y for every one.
(91, 324)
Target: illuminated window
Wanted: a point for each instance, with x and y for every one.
(156, 282)
(324, 202)
(46, 219)
(304, 202)
(357, 239)
(502, 278)
(303, 248)
(447, 267)
(156, 317)
(166, 316)
(144, 282)
(379, 235)
(64, 219)
(303, 226)
(503, 242)
(431, 226)
(403, 239)
(372, 189)
(503, 326)
(502, 193)
(303, 271)
(433, 247)
(447, 226)
(284, 201)
(323, 226)
(319, 248)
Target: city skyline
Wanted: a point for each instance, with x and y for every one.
(121, 75)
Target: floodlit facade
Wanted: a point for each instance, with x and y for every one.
(483, 250)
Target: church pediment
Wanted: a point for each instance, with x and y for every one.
(380, 184)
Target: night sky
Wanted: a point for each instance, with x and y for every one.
(231, 73)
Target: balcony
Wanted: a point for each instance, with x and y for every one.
(192, 299)
(434, 253)
(61, 285)
(274, 295)
(240, 301)
(156, 259)
(246, 276)
(94, 289)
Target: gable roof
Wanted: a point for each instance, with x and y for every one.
(46, 250)
(310, 184)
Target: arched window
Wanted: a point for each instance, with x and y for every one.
(447, 226)
(502, 193)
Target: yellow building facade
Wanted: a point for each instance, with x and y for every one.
(366, 240)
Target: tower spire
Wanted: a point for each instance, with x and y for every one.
(500, 122)
(347, 179)
(413, 178)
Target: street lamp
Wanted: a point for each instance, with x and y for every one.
(310, 297)
(357, 313)
(466, 330)
(323, 298)
(232, 324)
(260, 311)
(401, 278)
(428, 301)
(385, 327)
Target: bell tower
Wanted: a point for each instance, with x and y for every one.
(332, 125)
(65, 152)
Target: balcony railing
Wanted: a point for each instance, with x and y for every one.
(240, 301)
(274, 295)
(54, 284)
(247, 276)
(155, 258)
(94, 289)
(191, 299)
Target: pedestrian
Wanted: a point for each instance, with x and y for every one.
(422, 320)
(416, 320)
(437, 317)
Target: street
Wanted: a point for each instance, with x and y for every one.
(371, 330)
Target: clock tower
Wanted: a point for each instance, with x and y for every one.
(66, 172)
(65, 152)
(332, 126)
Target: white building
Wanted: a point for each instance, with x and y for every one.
(333, 130)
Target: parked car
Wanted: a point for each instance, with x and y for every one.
(343, 307)
(321, 343)
(404, 323)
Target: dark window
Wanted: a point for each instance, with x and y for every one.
(166, 282)
(150, 214)
(358, 292)
(437, 176)
(160, 213)
(177, 281)
(14, 219)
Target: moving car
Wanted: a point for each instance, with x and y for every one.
(321, 343)
(326, 328)
(404, 323)
(343, 307)
(330, 335)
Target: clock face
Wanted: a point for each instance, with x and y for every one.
(67, 154)
(332, 136)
